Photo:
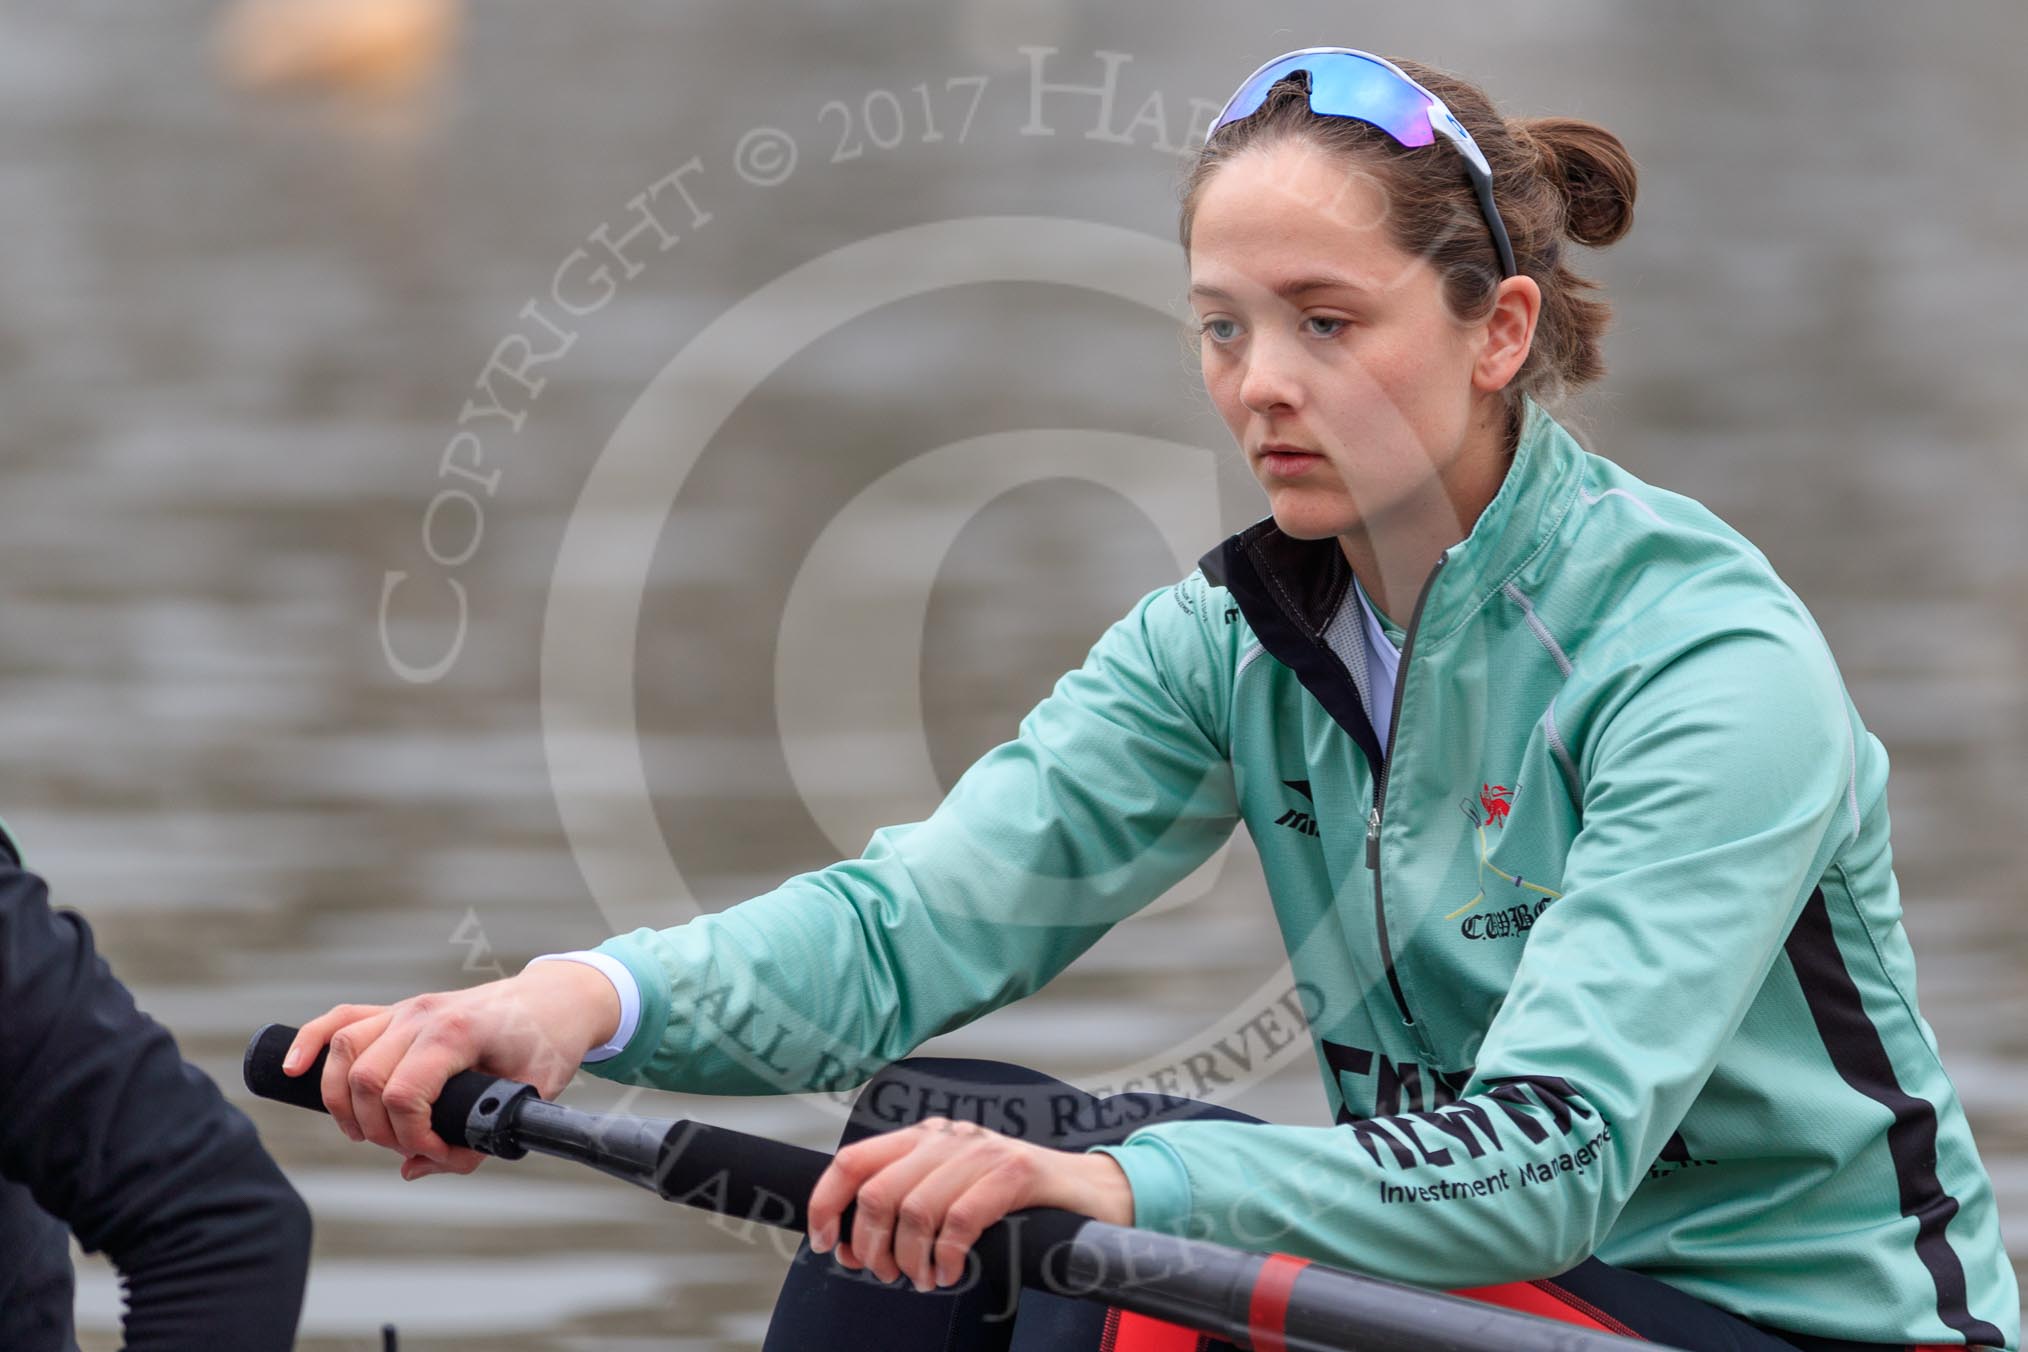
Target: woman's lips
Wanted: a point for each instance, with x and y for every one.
(1287, 463)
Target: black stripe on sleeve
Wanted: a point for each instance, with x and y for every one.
(1861, 1059)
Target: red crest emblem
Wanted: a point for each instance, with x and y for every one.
(1495, 799)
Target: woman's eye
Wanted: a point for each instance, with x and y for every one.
(1222, 330)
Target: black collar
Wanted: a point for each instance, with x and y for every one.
(1289, 589)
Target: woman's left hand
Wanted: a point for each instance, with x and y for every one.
(926, 1193)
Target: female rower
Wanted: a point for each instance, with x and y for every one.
(1575, 839)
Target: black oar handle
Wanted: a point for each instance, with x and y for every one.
(713, 1168)
(467, 1113)
(739, 1174)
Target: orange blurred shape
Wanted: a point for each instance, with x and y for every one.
(349, 44)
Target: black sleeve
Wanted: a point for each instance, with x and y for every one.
(112, 1132)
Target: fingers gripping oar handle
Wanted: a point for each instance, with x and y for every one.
(713, 1168)
(770, 1181)
(469, 1111)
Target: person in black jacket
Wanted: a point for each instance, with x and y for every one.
(107, 1132)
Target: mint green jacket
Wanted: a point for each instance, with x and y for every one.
(1604, 958)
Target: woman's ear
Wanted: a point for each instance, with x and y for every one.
(1510, 329)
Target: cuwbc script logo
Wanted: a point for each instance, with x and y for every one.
(1514, 920)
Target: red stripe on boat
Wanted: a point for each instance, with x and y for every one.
(1130, 1332)
(1267, 1313)
(1547, 1301)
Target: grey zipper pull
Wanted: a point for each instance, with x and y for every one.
(1373, 837)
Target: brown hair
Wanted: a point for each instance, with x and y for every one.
(1554, 178)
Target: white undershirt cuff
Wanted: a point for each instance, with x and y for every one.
(624, 986)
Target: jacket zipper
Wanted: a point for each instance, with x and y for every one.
(1380, 796)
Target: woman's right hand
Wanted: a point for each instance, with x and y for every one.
(388, 1063)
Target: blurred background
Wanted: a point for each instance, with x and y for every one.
(272, 633)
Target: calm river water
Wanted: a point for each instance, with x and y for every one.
(238, 330)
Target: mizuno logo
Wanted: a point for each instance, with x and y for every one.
(1295, 819)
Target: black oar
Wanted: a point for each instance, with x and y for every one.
(1267, 1302)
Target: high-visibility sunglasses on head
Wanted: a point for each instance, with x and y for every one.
(1349, 83)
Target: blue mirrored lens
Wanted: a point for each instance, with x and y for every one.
(1345, 84)
(1353, 86)
(1348, 83)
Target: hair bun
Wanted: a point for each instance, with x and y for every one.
(1592, 168)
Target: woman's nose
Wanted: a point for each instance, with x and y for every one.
(1270, 381)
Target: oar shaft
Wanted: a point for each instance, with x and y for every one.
(1269, 1302)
